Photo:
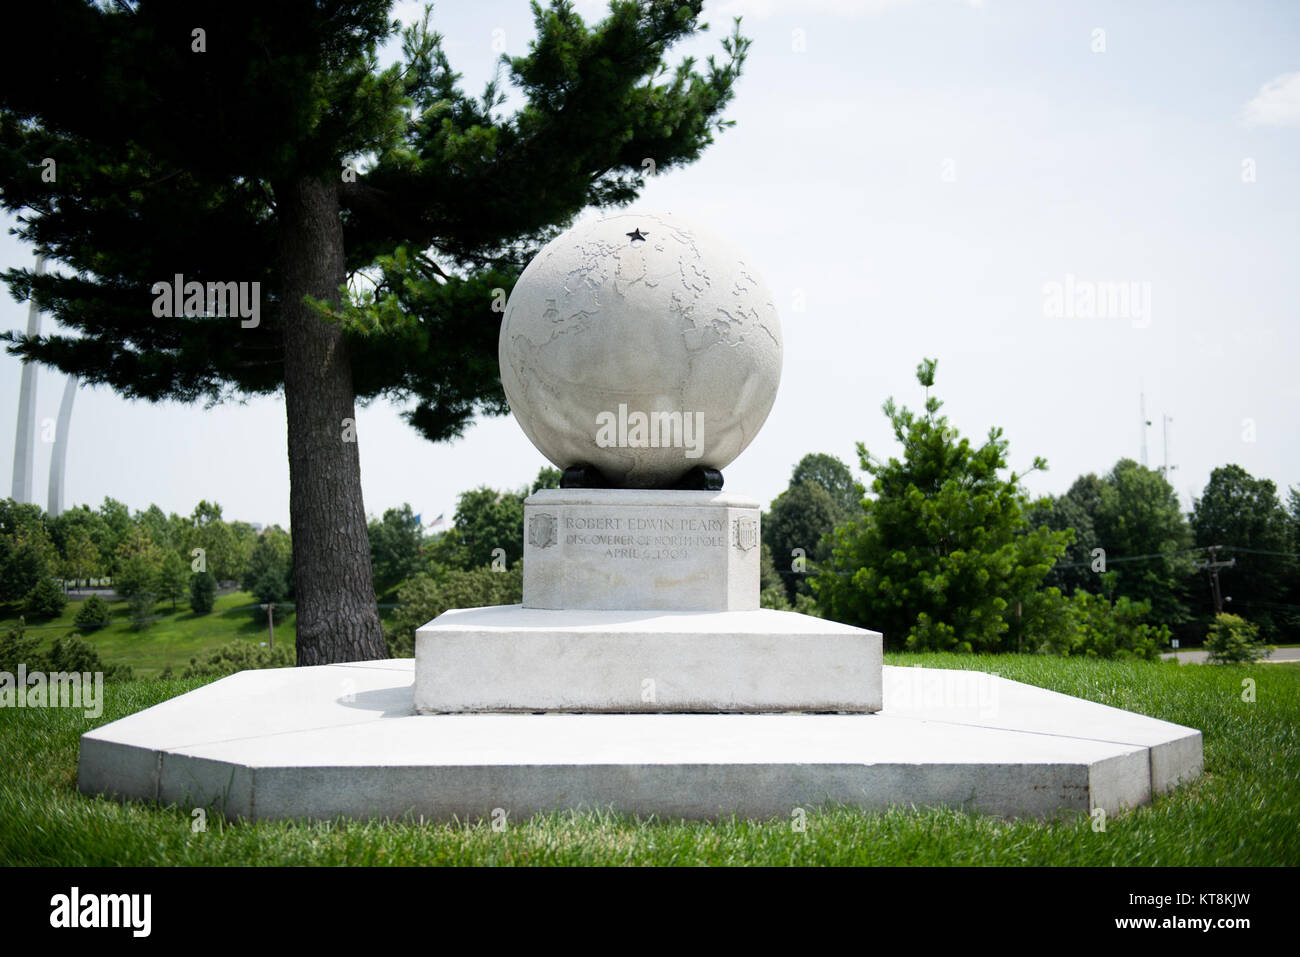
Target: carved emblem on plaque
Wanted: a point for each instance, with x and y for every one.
(744, 533)
(541, 529)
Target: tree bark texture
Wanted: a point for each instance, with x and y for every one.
(338, 619)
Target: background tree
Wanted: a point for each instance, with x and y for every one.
(244, 539)
(81, 557)
(1074, 510)
(327, 166)
(64, 530)
(45, 600)
(116, 522)
(273, 552)
(154, 523)
(221, 552)
(1293, 593)
(822, 494)
(173, 577)
(485, 521)
(426, 596)
(140, 607)
(396, 542)
(1243, 512)
(270, 588)
(835, 477)
(203, 592)
(795, 527)
(139, 562)
(27, 555)
(1140, 524)
(548, 477)
(269, 573)
(771, 586)
(943, 552)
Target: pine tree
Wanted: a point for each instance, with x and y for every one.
(203, 593)
(944, 552)
(239, 141)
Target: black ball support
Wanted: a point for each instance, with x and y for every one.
(698, 479)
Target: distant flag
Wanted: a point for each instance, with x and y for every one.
(437, 521)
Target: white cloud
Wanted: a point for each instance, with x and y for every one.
(1277, 103)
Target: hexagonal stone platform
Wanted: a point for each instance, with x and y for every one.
(344, 740)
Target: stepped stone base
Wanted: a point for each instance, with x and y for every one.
(512, 658)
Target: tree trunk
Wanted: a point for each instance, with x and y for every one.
(338, 619)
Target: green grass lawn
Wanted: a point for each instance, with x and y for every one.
(1244, 810)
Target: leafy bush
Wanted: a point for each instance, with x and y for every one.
(239, 656)
(427, 596)
(70, 653)
(807, 605)
(45, 600)
(73, 653)
(203, 593)
(774, 597)
(93, 615)
(1090, 625)
(17, 647)
(1233, 640)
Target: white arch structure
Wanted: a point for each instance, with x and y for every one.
(25, 439)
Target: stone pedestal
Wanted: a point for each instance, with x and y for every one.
(642, 601)
(508, 658)
(621, 549)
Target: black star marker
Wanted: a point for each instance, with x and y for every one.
(637, 234)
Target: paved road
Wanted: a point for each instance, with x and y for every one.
(1198, 657)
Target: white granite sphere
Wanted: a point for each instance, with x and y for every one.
(643, 345)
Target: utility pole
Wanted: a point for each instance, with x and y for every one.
(1213, 566)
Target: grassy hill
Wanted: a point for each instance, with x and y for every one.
(171, 638)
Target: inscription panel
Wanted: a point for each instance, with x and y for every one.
(643, 537)
(616, 552)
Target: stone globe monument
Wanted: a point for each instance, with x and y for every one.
(639, 672)
(640, 351)
(641, 354)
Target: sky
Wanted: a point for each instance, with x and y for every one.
(951, 180)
